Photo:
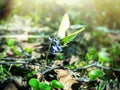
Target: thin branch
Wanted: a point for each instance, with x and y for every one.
(16, 59)
(22, 36)
(96, 64)
(13, 63)
(52, 68)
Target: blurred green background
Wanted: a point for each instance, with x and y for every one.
(92, 13)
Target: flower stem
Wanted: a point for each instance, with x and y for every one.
(48, 53)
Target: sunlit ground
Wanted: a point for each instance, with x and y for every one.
(92, 12)
(43, 17)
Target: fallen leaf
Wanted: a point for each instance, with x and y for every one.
(65, 77)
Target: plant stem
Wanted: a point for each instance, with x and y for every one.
(46, 59)
(2, 72)
(48, 53)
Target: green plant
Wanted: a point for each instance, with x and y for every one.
(56, 84)
(94, 74)
(10, 42)
(30, 73)
(16, 50)
(91, 54)
(28, 50)
(36, 85)
(101, 85)
(61, 40)
(2, 72)
(103, 56)
(55, 46)
(2, 55)
(44, 86)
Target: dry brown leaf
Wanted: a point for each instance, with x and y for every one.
(10, 86)
(66, 78)
(57, 62)
(73, 59)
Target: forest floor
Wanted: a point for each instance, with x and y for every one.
(23, 52)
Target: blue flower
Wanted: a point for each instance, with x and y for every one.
(55, 48)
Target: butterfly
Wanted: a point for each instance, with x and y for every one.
(65, 23)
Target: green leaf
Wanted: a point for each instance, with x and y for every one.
(34, 83)
(28, 50)
(10, 42)
(56, 84)
(70, 37)
(95, 74)
(16, 50)
(30, 73)
(101, 85)
(44, 86)
(2, 72)
(103, 56)
(91, 54)
(2, 55)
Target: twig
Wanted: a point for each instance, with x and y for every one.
(23, 61)
(56, 67)
(22, 36)
(14, 62)
(91, 65)
(16, 59)
(96, 64)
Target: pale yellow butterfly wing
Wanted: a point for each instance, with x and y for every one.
(65, 23)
